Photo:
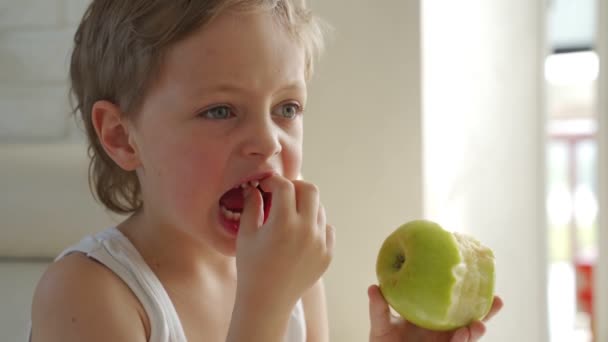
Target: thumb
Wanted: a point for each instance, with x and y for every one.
(252, 215)
(379, 313)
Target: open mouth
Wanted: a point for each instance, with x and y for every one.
(232, 202)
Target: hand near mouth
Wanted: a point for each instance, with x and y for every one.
(279, 259)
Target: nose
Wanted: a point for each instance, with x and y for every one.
(262, 138)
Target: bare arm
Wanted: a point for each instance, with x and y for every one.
(248, 324)
(253, 319)
(78, 299)
(315, 310)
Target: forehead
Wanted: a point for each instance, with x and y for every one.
(251, 49)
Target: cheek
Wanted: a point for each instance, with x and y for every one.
(180, 167)
(293, 167)
(292, 159)
(186, 177)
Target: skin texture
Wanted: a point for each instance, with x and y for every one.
(228, 107)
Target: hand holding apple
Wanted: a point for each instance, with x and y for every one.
(440, 283)
(386, 327)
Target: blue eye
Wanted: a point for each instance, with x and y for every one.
(289, 110)
(217, 113)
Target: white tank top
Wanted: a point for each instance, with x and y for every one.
(111, 248)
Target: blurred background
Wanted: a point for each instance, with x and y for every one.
(487, 116)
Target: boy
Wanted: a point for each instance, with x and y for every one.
(193, 110)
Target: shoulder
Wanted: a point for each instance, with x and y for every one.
(80, 299)
(315, 311)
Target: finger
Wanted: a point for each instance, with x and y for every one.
(307, 199)
(461, 335)
(476, 330)
(379, 312)
(327, 230)
(252, 215)
(321, 216)
(497, 305)
(330, 239)
(283, 195)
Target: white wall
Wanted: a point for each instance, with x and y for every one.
(43, 161)
(601, 303)
(18, 279)
(35, 38)
(42, 208)
(483, 144)
(363, 143)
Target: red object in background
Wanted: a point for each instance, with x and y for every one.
(584, 288)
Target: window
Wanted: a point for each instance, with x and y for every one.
(572, 187)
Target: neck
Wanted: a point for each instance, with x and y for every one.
(171, 252)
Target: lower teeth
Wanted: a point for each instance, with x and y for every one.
(231, 215)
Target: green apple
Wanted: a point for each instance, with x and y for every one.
(436, 279)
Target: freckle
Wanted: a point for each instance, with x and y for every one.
(73, 319)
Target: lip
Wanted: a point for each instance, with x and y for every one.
(231, 227)
(255, 177)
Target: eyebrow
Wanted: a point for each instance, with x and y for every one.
(234, 88)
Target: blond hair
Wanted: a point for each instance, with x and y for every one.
(118, 50)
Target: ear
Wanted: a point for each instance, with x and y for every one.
(115, 135)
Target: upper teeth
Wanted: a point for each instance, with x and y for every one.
(253, 183)
(232, 215)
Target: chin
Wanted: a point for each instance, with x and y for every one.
(226, 248)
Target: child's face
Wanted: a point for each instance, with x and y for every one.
(226, 108)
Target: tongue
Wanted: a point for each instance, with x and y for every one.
(234, 201)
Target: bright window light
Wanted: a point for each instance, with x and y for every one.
(580, 126)
(572, 68)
